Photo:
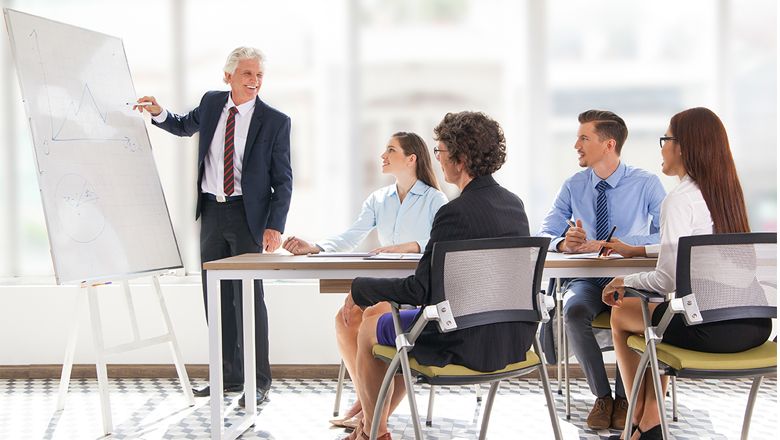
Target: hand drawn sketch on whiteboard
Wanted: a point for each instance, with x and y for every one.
(105, 210)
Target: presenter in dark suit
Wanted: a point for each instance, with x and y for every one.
(244, 187)
(471, 148)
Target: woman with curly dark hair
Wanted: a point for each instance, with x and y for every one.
(471, 147)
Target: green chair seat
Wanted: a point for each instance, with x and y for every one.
(387, 352)
(763, 356)
(602, 320)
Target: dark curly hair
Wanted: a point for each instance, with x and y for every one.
(473, 139)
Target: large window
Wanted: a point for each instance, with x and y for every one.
(352, 72)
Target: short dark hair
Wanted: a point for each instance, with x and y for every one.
(608, 126)
(473, 139)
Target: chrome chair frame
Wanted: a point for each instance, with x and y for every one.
(443, 315)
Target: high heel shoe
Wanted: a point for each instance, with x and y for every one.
(617, 437)
(653, 433)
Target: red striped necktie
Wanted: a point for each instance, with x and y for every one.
(230, 129)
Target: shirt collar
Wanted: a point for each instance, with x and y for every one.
(418, 188)
(243, 108)
(612, 180)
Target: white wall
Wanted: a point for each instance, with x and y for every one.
(35, 321)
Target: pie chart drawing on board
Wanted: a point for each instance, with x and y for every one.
(79, 209)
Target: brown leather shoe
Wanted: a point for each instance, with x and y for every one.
(619, 413)
(600, 416)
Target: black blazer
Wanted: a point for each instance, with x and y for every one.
(266, 179)
(483, 210)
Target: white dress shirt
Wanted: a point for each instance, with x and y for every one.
(683, 212)
(214, 163)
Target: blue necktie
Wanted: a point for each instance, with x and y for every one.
(602, 211)
(602, 220)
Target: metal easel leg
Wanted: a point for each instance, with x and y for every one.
(70, 351)
(174, 345)
(100, 365)
(131, 310)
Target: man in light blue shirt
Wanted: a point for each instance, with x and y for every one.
(633, 206)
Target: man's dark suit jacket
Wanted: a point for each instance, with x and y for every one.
(483, 210)
(266, 179)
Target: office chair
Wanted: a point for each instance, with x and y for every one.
(428, 418)
(600, 322)
(482, 281)
(719, 277)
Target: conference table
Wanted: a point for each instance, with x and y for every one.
(335, 275)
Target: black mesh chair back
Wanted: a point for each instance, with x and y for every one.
(731, 275)
(489, 280)
(719, 277)
(474, 283)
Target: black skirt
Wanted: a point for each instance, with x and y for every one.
(731, 336)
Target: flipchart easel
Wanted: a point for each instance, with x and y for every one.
(88, 295)
(105, 210)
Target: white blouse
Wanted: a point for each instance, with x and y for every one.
(683, 212)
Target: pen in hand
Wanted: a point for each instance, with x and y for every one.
(609, 237)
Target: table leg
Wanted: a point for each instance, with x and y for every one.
(215, 354)
(250, 362)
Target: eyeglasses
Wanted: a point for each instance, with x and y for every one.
(437, 152)
(666, 138)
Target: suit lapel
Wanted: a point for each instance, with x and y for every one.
(211, 119)
(254, 126)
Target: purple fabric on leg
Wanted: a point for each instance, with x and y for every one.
(385, 331)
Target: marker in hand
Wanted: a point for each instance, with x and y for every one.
(609, 237)
(139, 103)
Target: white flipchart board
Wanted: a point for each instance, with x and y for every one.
(105, 210)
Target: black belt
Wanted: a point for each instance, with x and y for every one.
(221, 199)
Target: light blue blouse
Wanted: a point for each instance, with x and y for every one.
(396, 222)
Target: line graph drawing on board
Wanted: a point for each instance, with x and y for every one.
(66, 131)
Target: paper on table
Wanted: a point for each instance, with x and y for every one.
(392, 256)
(342, 254)
(590, 256)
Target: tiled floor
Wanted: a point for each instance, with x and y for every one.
(299, 409)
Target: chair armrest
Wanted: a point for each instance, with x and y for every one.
(440, 313)
(646, 295)
(545, 303)
(688, 306)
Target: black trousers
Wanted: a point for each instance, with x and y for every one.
(224, 232)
